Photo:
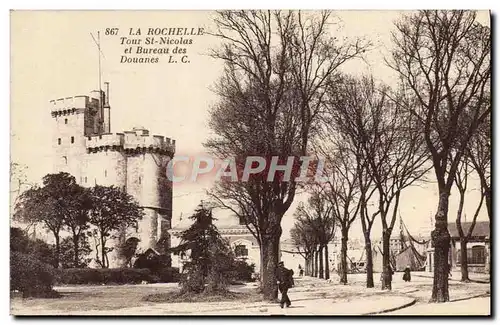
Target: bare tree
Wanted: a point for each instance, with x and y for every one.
(319, 216)
(443, 57)
(270, 94)
(341, 190)
(461, 181)
(351, 123)
(387, 146)
(479, 155)
(18, 182)
(305, 241)
(367, 217)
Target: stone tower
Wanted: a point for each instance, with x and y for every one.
(133, 161)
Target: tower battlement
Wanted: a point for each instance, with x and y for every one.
(105, 140)
(131, 141)
(71, 105)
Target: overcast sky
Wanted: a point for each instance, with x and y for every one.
(54, 56)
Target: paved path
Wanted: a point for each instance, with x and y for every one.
(327, 307)
(474, 306)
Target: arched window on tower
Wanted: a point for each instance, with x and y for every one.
(72, 139)
(59, 141)
(65, 121)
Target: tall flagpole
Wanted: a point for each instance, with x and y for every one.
(99, 54)
(101, 98)
(101, 105)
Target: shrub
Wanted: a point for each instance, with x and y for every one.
(31, 276)
(243, 271)
(159, 265)
(20, 242)
(105, 276)
(152, 261)
(168, 274)
(67, 256)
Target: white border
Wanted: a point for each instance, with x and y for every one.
(193, 5)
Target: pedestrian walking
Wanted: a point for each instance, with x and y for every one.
(407, 274)
(284, 278)
(301, 271)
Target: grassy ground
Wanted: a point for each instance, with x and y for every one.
(92, 297)
(170, 297)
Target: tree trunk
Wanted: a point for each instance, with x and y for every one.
(464, 268)
(270, 255)
(327, 264)
(386, 261)
(369, 261)
(316, 253)
(261, 267)
(103, 254)
(320, 258)
(76, 260)
(311, 264)
(315, 265)
(487, 196)
(441, 241)
(486, 190)
(343, 257)
(57, 259)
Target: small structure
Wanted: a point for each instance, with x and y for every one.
(240, 239)
(478, 247)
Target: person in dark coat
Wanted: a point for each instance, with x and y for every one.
(407, 274)
(284, 278)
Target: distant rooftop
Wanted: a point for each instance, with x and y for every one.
(481, 229)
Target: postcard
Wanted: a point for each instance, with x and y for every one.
(250, 163)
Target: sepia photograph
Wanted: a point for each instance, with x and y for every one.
(250, 163)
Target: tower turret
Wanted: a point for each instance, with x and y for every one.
(74, 119)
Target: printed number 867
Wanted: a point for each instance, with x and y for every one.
(111, 31)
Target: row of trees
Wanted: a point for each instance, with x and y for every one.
(443, 60)
(313, 230)
(62, 206)
(282, 94)
(272, 92)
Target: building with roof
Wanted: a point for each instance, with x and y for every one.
(478, 247)
(239, 237)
